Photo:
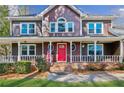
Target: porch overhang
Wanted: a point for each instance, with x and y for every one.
(57, 39)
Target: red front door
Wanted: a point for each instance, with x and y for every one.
(62, 52)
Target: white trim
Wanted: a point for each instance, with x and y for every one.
(65, 51)
(61, 18)
(52, 6)
(28, 49)
(95, 28)
(94, 49)
(19, 51)
(28, 23)
(50, 52)
(70, 51)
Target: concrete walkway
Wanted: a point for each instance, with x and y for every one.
(93, 77)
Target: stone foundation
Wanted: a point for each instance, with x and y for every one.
(70, 67)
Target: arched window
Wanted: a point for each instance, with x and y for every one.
(61, 24)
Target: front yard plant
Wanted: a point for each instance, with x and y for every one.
(23, 67)
(42, 65)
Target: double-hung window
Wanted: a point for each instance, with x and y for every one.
(95, 28)
(28, 28)
(28, 49)
(99, 49)
(61, 26)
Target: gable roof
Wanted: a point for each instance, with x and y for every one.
(52, 6)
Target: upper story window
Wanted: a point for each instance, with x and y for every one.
(28, 29)
(95, 28)
(61, 26)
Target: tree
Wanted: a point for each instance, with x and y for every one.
(23, 10)
(4, 29)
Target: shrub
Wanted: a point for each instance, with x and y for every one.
(7, 68)
(42, 65)
(23, 67)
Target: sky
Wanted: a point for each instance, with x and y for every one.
(90, 9)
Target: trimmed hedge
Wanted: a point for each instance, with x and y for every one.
(7, 68)
(42, 65)
(23, 67)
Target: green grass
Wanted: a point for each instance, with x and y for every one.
(28, 82)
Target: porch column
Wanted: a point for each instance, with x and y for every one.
(70, 51)
(43, 49)
(121, 50)
(19, 51)
(95, 51)
(50, 52)
(80, 51)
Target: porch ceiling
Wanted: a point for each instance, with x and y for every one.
(57, 39)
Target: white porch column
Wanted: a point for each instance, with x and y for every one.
(121, 50)
(19, 51)
(50, 51)
(70, 51)
(95, 51)
(80, 51)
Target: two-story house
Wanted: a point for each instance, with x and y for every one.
(62, 33)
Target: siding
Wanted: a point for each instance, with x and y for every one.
(69, 14)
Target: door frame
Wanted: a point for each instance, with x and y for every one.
(65, 51)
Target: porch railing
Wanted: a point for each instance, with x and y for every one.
(105, 58)
(75, 58)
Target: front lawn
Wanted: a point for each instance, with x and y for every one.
(28, 82)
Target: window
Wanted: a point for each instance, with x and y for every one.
(91, 49)
(24, 50)
(28, 28)
(61, 26)
(95, 28)
(70, 27)
(31, 28)
(24, 28)
(91, 28)
(73, 47)
(52, 27)
(98, 28)
(28, 49)
(99, 49)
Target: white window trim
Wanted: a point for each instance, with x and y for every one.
(28, 49)
(94, 49)
(95, 27)
(28, 28)
(66, 27)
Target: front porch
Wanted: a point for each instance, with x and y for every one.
(70, 52)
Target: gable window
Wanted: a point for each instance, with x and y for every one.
(52, 26)
(95, 28)
(70, 26)
(99, 49)
(61, 26)
(28, 49)
(28, 29)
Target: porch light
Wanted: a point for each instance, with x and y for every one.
(83, 45)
